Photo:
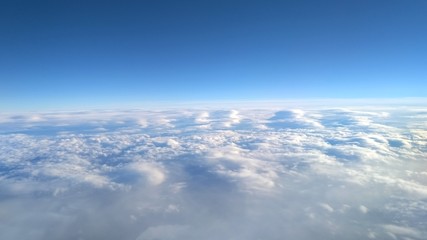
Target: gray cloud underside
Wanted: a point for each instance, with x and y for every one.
(215, 174)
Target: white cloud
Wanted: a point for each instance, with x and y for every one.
(363, 209)
(400, 230)
(327, 207)
(152, 171)
(219, 173)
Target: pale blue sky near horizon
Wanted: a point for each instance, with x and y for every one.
(64, 54)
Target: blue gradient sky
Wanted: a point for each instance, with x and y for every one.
(58, 54)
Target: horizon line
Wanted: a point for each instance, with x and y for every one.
(240, 103)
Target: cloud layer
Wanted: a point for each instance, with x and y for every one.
(265, 173)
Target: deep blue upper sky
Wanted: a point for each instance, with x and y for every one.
(71, 53)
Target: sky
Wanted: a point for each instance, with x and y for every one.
(60, 54)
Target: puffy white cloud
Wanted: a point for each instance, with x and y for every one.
(153, 172)
(218, 173)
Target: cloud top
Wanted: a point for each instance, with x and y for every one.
(344, 173)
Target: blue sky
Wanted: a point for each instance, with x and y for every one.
(59, 54)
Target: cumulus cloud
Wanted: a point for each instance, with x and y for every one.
(218, 173)
(151, 171)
